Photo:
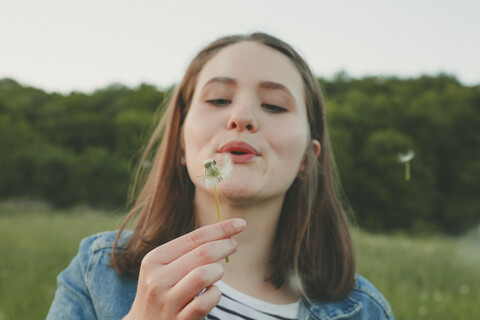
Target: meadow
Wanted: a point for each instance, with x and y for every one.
(423, 277)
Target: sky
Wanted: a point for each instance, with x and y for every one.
(64, 45)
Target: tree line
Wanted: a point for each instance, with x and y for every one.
(81, 148)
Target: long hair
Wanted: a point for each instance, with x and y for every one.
(312, 242)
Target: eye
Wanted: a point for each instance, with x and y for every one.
(219, 102)
(273, 108)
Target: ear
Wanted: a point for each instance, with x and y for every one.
(317, 147)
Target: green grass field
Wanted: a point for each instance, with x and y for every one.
(423, 277)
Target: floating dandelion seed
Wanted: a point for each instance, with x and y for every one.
(406, 158)
(214, 175)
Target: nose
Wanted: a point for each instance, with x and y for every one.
(242, 119)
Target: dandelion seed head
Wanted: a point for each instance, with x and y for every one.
(214, 174)
(404, 157)
(464, 289)
(208, 163)
(227, 166)
(438, 296)
(423, 310)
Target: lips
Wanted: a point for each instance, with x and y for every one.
(241, 152)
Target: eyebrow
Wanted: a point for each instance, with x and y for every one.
(224, 80)
(263, 84)
(276, 86)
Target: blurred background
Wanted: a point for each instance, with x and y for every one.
(83, 83)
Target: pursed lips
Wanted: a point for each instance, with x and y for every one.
(241, 152)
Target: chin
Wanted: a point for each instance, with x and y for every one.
(236, 191)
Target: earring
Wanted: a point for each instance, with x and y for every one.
(183, 161)
(301, 175)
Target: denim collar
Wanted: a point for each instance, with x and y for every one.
(314, 310)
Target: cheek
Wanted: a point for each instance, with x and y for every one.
(290, 138)
(199, 132)
(195, 133)
(290, 148)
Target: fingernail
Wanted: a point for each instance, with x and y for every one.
(239, 224)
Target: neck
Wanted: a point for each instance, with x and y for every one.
(250, 265)
(255, 243)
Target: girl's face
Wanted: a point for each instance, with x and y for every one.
(248, 102)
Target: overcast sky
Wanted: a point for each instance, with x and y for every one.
(83, 45)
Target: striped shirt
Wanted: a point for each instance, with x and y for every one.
(235, 305)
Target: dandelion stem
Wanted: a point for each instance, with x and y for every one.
(407, 171)
(217, 202)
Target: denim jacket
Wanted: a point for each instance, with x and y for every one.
(91, 289)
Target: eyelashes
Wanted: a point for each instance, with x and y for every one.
(219, 102)
(271, 108)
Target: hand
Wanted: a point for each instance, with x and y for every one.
(173, 274)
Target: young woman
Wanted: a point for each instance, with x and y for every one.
(253, 98)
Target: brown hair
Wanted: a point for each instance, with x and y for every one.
(318, 251)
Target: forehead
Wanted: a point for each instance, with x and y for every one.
(251, 62)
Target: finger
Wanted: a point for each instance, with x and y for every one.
(192, 284)
(207, 253)
(180, 246)
(202, 305)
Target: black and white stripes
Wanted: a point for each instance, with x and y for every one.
(235, 305)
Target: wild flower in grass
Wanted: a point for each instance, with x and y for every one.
(406, 158)
(214, 175)
(423, 310)
(464, 289)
